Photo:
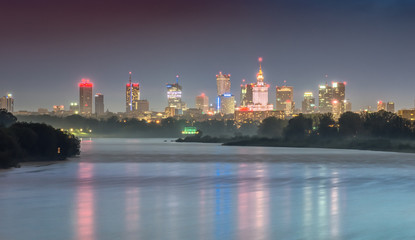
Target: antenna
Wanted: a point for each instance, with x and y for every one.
(177, 79)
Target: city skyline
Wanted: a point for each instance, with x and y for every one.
(367, 44)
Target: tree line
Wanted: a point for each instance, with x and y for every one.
(22, 141)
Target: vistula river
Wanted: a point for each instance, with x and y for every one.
(157, 189)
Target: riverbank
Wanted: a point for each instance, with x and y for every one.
(373, 144)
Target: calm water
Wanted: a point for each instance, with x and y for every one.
(207, 191)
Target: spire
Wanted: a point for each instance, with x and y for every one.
(259, 76)
(177, 79)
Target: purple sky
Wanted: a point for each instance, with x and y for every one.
(46, 47)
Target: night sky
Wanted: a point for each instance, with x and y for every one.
(46, 47)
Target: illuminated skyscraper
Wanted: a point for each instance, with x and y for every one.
(390, 107)
(260, 93)
(339, 94)
(74, 108)
(99, 104)
(243, 99)
(7, 102)
(381, 105)
(202, 102)
(285, 99)
(223, 83)
(309, 103)
(85, 97)
(174, 96)
(227, 103)
(325, 98)
(132, 96)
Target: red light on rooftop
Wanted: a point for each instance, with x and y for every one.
(260, 59)
(344, 83)
(203, 94)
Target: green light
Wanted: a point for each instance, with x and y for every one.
(190, 131)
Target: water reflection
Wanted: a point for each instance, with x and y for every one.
(132, 203)
(85, 225)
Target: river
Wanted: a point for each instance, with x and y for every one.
(159, 189)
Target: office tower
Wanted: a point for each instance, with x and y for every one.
(339, 94)
(223, 83)
(260, 93)
(143, 106)
(325, 96)
(309, 103)
(85, 97)
(7, 102)
(285, 99)
(347, 105)
(336, 109)
(227, 103)
(74, 108)
(381, 105)
(390, 107)
(174, 96)
(132, 95)
(202, 102)
(243, 101)
(99, 104)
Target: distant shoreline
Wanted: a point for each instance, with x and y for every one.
(371, 144)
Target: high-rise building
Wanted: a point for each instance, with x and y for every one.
(285, 99)
(339, 94)
(347, 105)
(227, 103)
(309, 103)
(390, 107)
(337, 109)
(243, 102)
(174, 96)
(381, 105)
(325, 97)
(132, 96)
(202, 102)
(85, 97)
(143, 106)
(99, 104)
(74, 108)
(260, 93)
(7, 102)
(223, 83)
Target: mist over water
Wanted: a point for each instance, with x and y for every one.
(156, 189)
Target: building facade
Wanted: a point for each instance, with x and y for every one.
(309, 103)
(7, 102)
(85, 97)
(99, 104)
(325, 96)
(174, 96)
(202, 102)
(381, 105)
(223, 83)
(390, 107)
(260, 93)
(227, 103)
(132, 96)
(285, 99)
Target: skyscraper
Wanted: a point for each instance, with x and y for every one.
(285, 99)
(381, 105)
(202, 102)
(308, 105)
(132, 96)
(325, 97)
(174, 96)
(243, 99)
(143, 106)
(347, 105)
(390, 107)
(99, 104)
(227, 103)
(7, 102)
(260, 93)
(85, 97)
(223, 83)
(339, 94)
